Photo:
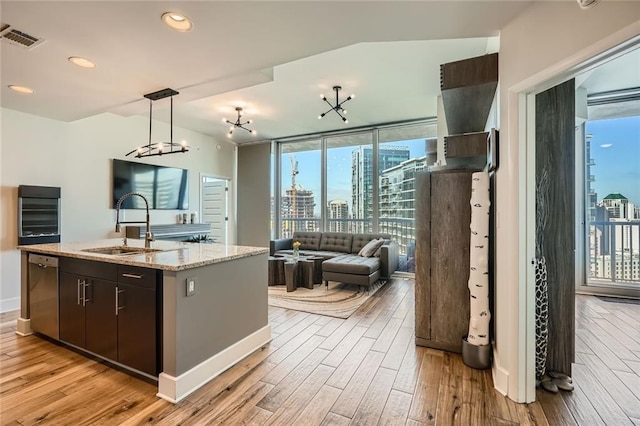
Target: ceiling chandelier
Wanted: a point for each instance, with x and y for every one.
(238, 123)
(160, 148)
(338, 106)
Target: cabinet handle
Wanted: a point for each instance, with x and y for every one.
(118, 307)
(79, 281)
(84, 293)
(132, 276)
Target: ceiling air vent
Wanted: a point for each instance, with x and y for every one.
(19, 38)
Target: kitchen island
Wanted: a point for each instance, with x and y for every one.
(198, 308)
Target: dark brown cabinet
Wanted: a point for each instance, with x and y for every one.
(443, 216)
(137, 318)
(111, 310)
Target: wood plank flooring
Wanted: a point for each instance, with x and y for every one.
(606, 372)
(364, 370)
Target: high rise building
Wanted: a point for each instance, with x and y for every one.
(338, 216)
(362, 175)
(592, 197)
(297, 205)
(397, 204)
(617, 205)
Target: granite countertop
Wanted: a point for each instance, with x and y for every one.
(174, 256)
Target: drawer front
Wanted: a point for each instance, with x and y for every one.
(135, 275)
(89, 268)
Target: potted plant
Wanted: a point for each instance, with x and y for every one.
(296, 249)
(476, 349)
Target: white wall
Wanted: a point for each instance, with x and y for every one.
(545, 39)
(77, 157)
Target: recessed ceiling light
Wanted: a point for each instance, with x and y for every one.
(177, 21)
(81, 62)
(21, 89)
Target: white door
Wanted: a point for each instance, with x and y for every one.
(214, 193)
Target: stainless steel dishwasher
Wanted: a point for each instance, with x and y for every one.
(43, 294)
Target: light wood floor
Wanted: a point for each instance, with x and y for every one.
(317, 370)
(606, 373)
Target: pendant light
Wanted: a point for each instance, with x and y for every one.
(160, 148)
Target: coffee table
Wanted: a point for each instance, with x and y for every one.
(300, 271)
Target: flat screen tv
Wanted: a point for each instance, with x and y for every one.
(166, 188)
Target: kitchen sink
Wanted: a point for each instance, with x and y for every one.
(121, 250)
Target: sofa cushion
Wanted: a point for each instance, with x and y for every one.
(336, 241)
(308, 240)
(371, 248)
(324, 254)
(361, 240)
(352, 264)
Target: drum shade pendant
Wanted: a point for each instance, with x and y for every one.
(160, 148)
(338, 106)
(238, 123)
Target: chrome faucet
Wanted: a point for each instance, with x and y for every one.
(148, 236)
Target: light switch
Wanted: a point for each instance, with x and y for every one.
(191, 286)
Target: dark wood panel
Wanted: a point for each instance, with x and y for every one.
(466, 145)
(71, 310)
(137, 328)
(469, 72)
(423, 257)
(555, 228)
(101, 321)
(135, 275)
(89, 268)
(450, 239)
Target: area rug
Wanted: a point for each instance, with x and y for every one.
(340, 301)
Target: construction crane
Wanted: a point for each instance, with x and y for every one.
(294, 172)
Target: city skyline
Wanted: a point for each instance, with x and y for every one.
(339, 170)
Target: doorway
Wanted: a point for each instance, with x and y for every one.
(528, 198)
(214, 205)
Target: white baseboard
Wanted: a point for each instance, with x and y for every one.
(174, 389)
(23, 327)
(500, 376)
(7, 305)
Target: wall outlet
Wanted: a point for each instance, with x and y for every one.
(191, 286)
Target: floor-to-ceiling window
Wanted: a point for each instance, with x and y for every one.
(299, 194)
(402, 152)
(612, 180)
(359, 181)
(349, 183)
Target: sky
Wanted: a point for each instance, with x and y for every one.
(338, 170)
(615, 148)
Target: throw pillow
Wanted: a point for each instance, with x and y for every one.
(370, 248)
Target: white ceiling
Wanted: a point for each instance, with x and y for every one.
(272, 58)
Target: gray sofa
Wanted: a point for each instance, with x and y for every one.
(340, 250)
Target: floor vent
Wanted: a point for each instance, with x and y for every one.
(19, 38)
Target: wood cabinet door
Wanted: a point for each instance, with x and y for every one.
(72, 314)
(450, 239)
(137, 328)
(101, 320)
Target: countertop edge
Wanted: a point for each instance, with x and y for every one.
(135, 260)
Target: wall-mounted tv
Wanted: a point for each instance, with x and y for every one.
(166, 188)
